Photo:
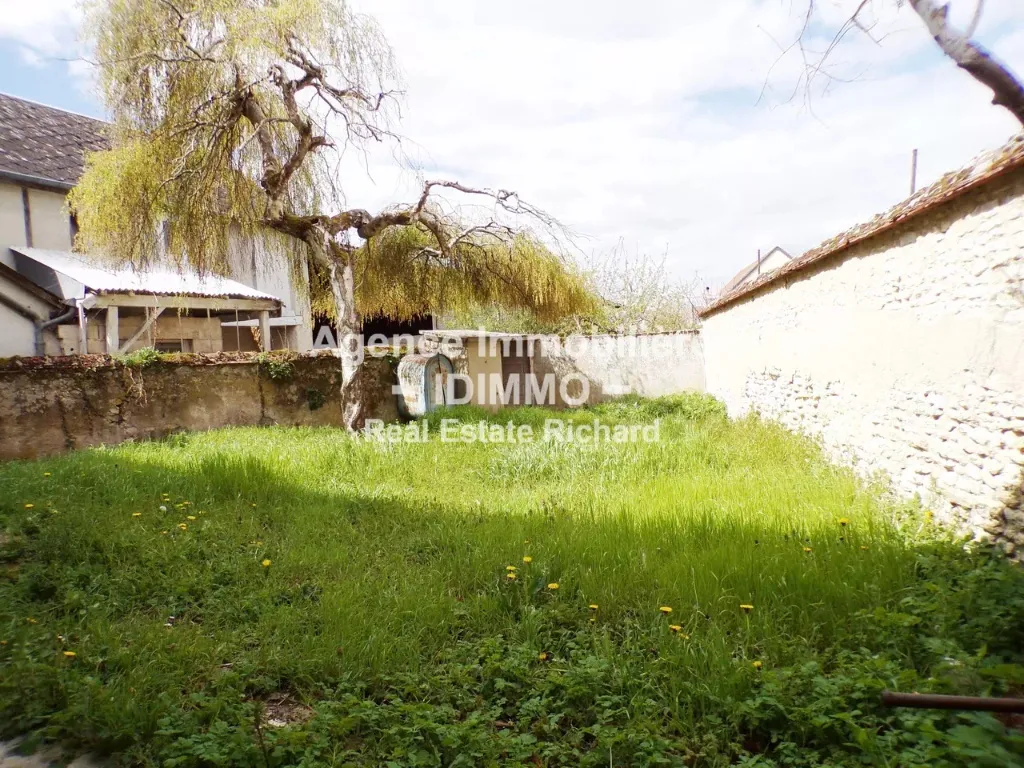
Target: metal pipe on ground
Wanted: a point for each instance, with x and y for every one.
(962, 703)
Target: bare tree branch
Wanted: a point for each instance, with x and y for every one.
(971, 57)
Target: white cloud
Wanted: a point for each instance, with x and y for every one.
(641, 121)
(45, 30)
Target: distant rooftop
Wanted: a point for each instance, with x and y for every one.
(45, 142)
(983, 169)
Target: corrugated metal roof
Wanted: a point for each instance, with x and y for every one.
(981, 170)
(159, 281)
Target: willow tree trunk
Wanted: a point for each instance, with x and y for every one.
(354, 394)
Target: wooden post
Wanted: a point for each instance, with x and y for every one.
(113, 333)
(265, 330)
(83, 339)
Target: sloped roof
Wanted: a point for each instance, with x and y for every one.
(157, 281)
(48, 143)
(985, 168)
(6, 273)
(748, 270)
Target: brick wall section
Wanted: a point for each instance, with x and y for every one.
(905, 354)
(49, 410)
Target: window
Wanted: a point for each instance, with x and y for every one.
(175, 345)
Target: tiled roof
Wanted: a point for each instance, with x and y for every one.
(983, 169)
(49, 143)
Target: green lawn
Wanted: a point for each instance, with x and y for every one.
(162, 601)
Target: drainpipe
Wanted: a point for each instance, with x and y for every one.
(42, 327)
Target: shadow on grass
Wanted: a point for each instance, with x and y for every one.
(252, 581)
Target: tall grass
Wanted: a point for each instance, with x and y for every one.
(192, 577)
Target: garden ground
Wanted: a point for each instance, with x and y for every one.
(274, 597)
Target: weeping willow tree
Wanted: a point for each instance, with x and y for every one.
(230, 116)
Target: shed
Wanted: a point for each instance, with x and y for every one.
(498, 366)
(121, 309)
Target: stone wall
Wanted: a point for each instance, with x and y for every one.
(904, 353)
(70, 403)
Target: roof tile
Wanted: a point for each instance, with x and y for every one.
(37, 140)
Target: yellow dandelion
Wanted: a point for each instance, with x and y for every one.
(665, 609)
(592, 606)
(190, 517)
(136, 514)
(527, 559)
(47, 474)
(675, 627)
(265, 563)
(542, 656)
(807, 549)
(843, 521)
(254, 505)
(29, 506)
(756, 664)
(510, 576)
(70, 654)
(553, 585)
(746, 607)
(183, 526)
(863, 547)
(511, 568)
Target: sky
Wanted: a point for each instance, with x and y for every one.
(682, 132)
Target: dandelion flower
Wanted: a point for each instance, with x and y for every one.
(190, 517)
(183, 526)
(265, 563)
(70, 654)
(29, 506)
(807, 549)
(592, 606)
(843, 521)
(756, 664)
(675, 627)
(511, 568)
(527, 559)
(510, 576)
(542, 656)
(254, 506)
(47, 474)
(136, 514)
(553, 585)
(863, 547)
(746, 607)
(163, 508)
(665, 609)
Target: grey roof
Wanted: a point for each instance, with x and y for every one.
(44, 142)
